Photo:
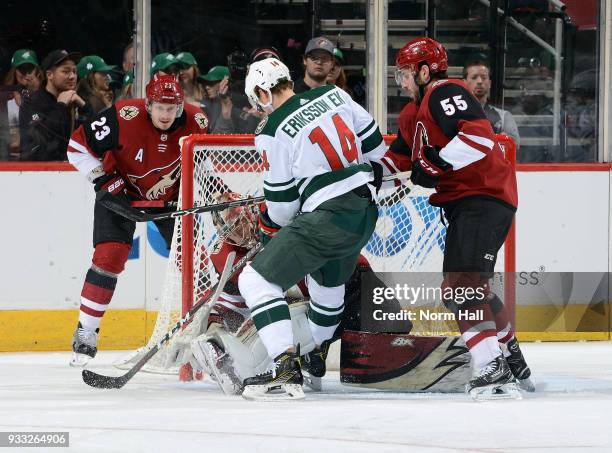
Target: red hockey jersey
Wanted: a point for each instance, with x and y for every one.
(124, 137)
(450, 118)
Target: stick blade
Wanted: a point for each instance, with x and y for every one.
(102, 382)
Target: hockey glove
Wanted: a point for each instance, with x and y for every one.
(113, 184)
(267, 227)
(428, 166)
(378, 175)
(111, 193)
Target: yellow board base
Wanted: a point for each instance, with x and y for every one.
(52, 330)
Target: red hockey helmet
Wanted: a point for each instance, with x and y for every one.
(165, 89)
(424, 50)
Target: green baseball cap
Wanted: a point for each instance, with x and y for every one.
(163, 61)
(92, 63)
(338, 55)
(128, 77)
(215, 74)
(186, 59)
(23, 56)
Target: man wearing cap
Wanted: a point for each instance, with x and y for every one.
(47, 116)
(223, 116)
(318, 64)
(164, 63)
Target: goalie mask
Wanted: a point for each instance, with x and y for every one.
(238, 225)
(265, 75)
(165, 89)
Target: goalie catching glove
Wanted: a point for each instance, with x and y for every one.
(428, 166)
(267, 227)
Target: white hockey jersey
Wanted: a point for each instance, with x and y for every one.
(315, 147)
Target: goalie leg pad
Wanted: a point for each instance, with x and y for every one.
(404, 362)
(248, 355)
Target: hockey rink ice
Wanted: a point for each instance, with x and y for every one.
(571, 411)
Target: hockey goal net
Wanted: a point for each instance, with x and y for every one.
(409, 235)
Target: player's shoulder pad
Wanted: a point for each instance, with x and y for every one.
(196, 117)
(102, 132)
(130, 109)
(452, 98)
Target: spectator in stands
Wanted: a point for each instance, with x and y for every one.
(318, 63)
(93, 86)
(223, 116)
(581, 117)
(47, 116)
(24, 77)
(218, 104)
(261, 53)
(476, 74)
(165, 63)
(337, 76)
(128, 82)
(188, 78)
(128, 58)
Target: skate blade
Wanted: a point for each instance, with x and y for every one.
(205, 354)
(279, 392)
(314, 383)
(79, 360)
(496, 392)
(526, 385)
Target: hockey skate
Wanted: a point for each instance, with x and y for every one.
(494, 381)
(283, 382)
(218, 364)
(84, 346)
(519, 366)
(313, 363)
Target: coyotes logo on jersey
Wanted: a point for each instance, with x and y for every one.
(155, 183)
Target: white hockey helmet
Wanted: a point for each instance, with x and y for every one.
(265, 74)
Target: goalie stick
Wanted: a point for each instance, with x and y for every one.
(136, 215)
(116, 382)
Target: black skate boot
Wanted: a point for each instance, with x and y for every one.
(84, 346)
(314, 361)
(216, 362)
(313, 364)
(494, 381)
(519, 366)
(283, 381)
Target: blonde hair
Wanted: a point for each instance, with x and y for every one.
(11, 77)
(88, 84)
(193, 88)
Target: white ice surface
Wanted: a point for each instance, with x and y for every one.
(570, 412)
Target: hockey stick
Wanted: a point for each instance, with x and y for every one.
(116, 382)
(108, 201)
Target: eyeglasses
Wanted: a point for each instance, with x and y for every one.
(320, 58)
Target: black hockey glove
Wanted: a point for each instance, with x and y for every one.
(378, 175)
(113, 184)
(110, 190)
(428, 166)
